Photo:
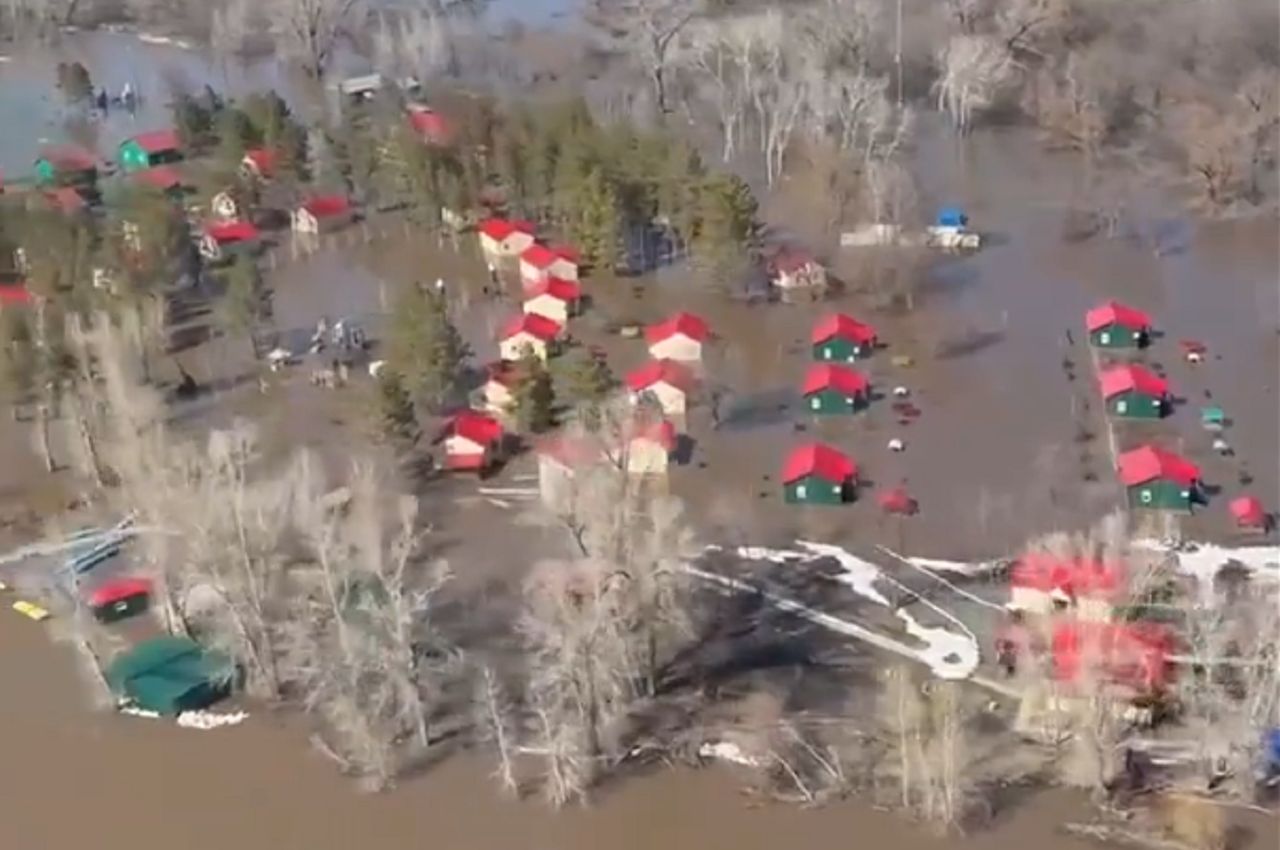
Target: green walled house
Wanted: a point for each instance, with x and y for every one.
(67, 165)
(1116, 325)
(1155, 479)
(817, 474)
(1134, 392)
(841, 339)
(830, 388)
(147, 150)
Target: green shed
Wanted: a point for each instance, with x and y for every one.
(830, 388)
(1134, 392)
(147, 150)
(842, 339)
(1116, 325)
(1159, 480)
(170, 675)
(817, 474)
(67, 165)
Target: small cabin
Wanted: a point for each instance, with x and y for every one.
(259, 164)
(679, 337)
(553, 298)
(817, 474)
(649, 447)
(67, 165)
(147, 150)
(502, 238)
(221, 240)
(1115, 325)
(119, 598)
(539, 261)
(668, 381)
(835, 389)
(322, 214)
(1248, 513)
(842, 339)
(497, 394)
(791, 270)
(1134, 392)
(472, 441)
(1157, 479)
(528, 332)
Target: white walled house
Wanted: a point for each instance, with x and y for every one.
(680, 337)
(501, 238)
(649, 448)
(669, 382)
(529, 332)
(553, 298)
(539, 261)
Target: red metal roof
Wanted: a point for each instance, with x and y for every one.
(66, 200)
(818, 459)
(500, 228)
(157, 141)
(15, 294)
(1150, 462)
(69, 158)
(788, 260)
(1115, 313)
(224, 232)
(838, 324)
(327, 206)
(1134, 655)
(1248, 511)
(263, 160)
(1122, 379)
(833, 376)
(429, 124)
(162, 177)
(476, 427)
(683, 324)
(533, 324)
(116, 590)
(897, 501)
(660, 372)
(539, 256)
(556, 287)
(661, 432)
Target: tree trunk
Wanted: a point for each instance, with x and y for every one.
(42, 436)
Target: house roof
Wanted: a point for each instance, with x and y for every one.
(69, 158)
(838, 324)
(224, 232)
(787, 260)
(157, 141)
(429, 124)
(263, 160)
(1150, 462)
(1247, 510)
(660, 372)
(1122, 379)
(1132, 654)
(500, 228)
(533, 324)
(539, 256)
(15, 294)
(556, 287)
(162, 177)
(818, 459)
(659, 431)
(475, 427)
(326, 206)
(833, 376)
(118, 589)
(1115, 313)
(66, 200)
(682, 323)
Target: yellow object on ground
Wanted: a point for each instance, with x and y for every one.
(3, 586)
(30, 609)
(903, 360)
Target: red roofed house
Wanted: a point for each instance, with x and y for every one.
(818, 474)
(496, 396)
(667, 381)
(67, 165)
(1032, 581)
(1131, 656)
(1098, 587)
(14, 294)
(1155, 478)
(119, 598)
(429, 125)
(830, 388)
(528, 332)
(538, 261)
(553, 297)
(472, 441)
(259, 163)
(221, 239)
(649, 447)
(165, 178)
(147, 150)
(791, 269)
(1115, 325)
(1248, 512)
(322, 214)
(679, 337)
(1134, 391)
(843, 339)
(560, 457)
(501, 238)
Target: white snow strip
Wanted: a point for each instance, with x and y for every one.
(858, 574)
(134, 711)
(211, 719)
(727, 751)
(938, 565)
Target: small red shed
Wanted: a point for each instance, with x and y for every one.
(816, 473)
(120, 598)
(842, 338)
(472, 442)
(1248, 512)
(428, 125)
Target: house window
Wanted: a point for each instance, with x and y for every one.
(815, 403)
(1104, 338)
(1146, 497)
(1122, 406)
(800, 491)
(826, 354)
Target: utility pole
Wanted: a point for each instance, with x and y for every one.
(897, 52)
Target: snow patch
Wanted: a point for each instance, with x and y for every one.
(727, 751)
(962, 568)
(211, 719)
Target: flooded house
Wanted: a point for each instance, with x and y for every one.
(473, 442)
(831, 388)
(538, 261)
(650, 445)
(221, 240)
(1089, 589)
(1248, 513)
(1134, 392)
(1115, 325)
(670, 383)
(1158, 479)
(67, 165)
(502, 238)
(792, 271)
(841, 338)
(528, 332)
(679, 337)
(147, 150)
(817, 474)
(554, 298)
(259, 163)
(428, 125)
(322, 214)
(497, 393)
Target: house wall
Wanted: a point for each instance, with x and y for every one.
(516, 243)
(555, 483)
(132, 157)
(1031, 600)
(305, 222)
(489, 246)
(670, 398)
(812, 490)
(497, 399)
(1135, 405)
(514, 347)
(830, 401)
(1115, 336)
(564, 269)
(646, 457)
(550, 306)
(1160, 495)
(677, 347)
(839, 350)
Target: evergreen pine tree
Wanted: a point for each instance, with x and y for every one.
(533, 396)
(725, 231)
(594, 223)
(397, 419)
(425, 347)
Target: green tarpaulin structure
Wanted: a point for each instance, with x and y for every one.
(170, 675)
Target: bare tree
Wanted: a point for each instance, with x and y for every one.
(974, 69)
(311, 30)
(647, 29)
(496, 716)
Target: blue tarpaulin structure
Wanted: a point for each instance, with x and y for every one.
(952, 217)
